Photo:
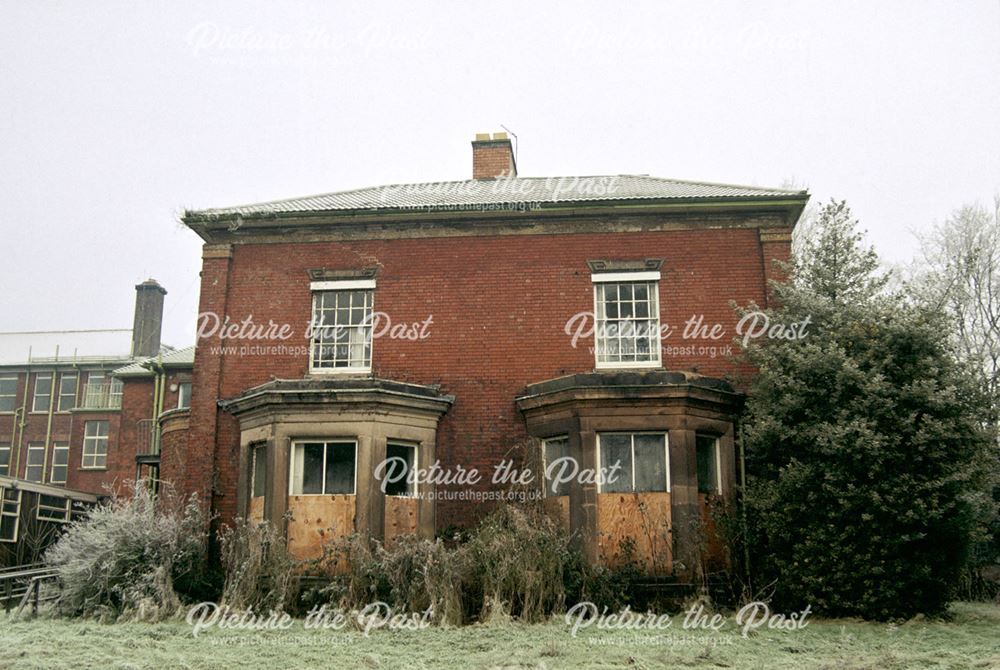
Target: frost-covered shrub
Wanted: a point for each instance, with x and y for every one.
(258, 570)
(123, 559)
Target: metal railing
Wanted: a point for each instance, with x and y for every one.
(102, 395)
(27, 584)
(147, 435)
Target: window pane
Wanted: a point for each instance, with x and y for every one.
(708, 477)
(616, 449)
(342, 340)
(340, 467)
(312, 468)
(43, 393)
(8, 393)
(650, 463)
(259, 471)
(399, 465)
(555, 449)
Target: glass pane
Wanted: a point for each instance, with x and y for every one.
(616, 449)
(705, 447)
(312, 467)
(555, 449)
(650, 463)
(400, 464)
(340, 467)
(259, 471)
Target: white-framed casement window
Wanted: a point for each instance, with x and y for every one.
(554, 450)
(341, 326)
(34, 465)
(10, 514)
(642, 459)
(709, 457)
(258, 471)
(397, 476)
(183, 395)
(627, 319)
(60, 463)
(95, 445)
(8, 393)
(54, 508)
(323, 467)
(67, 391)
(5, 459)
(42, 400)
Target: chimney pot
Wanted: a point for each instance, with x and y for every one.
(493, 157)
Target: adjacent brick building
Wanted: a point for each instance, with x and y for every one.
(434, 324)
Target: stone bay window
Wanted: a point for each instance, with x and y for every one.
(662, 445)
(310, 452)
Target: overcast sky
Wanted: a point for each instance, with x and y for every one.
(117, 116)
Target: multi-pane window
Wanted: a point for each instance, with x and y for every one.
(101, 392)
(641, 459)
(60, 463)
(67, 392)
(323, 467)
(54, 508)
(342, 325)
(8, 393)
(627, 319)
(34, 465)
(555, 451)
(10, 514)
(709, 470)
(184, 394)
(4, 459)
(401, 459)
(259, 471)
(95, 444)
(43, 393)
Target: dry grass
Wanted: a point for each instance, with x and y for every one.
(970, 640)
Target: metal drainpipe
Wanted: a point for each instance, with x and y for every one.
(24, 415)
(53, 399)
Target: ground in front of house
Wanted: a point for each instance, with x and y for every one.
(971, 639)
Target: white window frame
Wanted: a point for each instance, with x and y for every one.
(12, 395)
(65, 511)
(547, 490)
(16, 514)
(56, 448)
(10, 454)
(181, 396)
(255, 451)
(416, 465)
(718, 459)
(666, 453)
(94, 440)
(76, 387)
(318, 287)
(649, 277)
(34, 396)
(34, 447)
(325, 441)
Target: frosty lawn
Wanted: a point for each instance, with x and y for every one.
(970, 640)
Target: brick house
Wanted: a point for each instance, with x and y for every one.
(451, 327)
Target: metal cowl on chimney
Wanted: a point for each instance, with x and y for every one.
(492, 158)
(148, 321)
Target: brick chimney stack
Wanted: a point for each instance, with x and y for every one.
(492, 157)
(148, 318)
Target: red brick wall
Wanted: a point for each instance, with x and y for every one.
(499, 307)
